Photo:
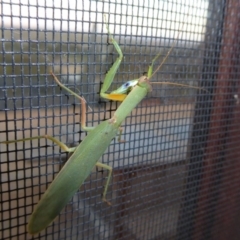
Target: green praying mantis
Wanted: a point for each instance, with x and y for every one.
(86, 155)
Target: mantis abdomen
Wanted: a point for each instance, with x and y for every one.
(72, 175)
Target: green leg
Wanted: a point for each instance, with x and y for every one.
(108, 180)
(150, 68)
(82, 100)
(111, 73)
(60, 144)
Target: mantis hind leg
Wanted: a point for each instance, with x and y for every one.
(98, 164)
(59, 143)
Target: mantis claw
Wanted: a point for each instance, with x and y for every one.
(106, 201)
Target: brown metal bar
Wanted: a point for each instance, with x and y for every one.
(218, 211)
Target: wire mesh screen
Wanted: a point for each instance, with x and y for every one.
(175, 175)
